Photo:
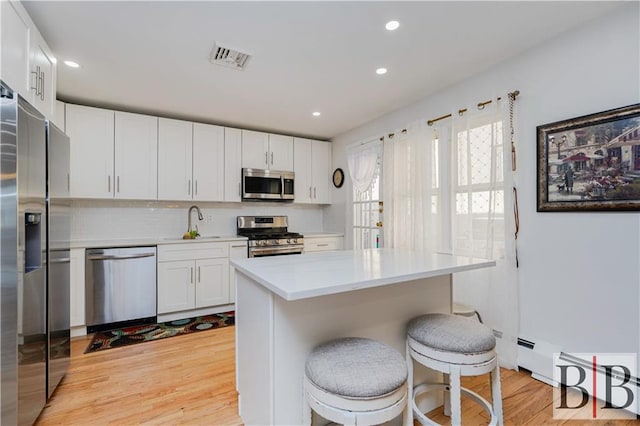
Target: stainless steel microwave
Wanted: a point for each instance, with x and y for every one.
(267, 185)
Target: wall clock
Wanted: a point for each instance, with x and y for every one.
(338, 178)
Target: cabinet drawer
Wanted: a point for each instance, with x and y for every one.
(192, 250)
(322, 244)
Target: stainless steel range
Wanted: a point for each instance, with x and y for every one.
(269, 236)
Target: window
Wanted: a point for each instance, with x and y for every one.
(478, 181)
(367, 216)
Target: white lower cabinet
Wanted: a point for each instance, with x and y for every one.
(195, 275)
(212, 282)
(176, 290)
(76, 301)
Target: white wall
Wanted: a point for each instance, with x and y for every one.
(110, 219)
(579, 272)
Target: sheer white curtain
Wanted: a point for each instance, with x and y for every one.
(409, 188)
(362, 160)
(482, 221)
(448, 187)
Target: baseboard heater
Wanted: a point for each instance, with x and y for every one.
(537, 357)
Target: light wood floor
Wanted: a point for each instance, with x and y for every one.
(190, 379)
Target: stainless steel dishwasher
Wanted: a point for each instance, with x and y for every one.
(120, 287)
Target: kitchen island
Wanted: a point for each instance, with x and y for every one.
(286, 305)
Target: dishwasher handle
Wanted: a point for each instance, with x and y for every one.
(110, 257)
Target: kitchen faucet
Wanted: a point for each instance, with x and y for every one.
(200, 217)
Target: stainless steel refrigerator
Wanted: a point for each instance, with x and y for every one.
(34, 236)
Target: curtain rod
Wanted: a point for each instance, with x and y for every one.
(480, 105)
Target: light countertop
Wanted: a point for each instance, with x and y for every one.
(322, 234)
(324, 273)
(139, 242)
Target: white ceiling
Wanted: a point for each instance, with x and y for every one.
(153, 57)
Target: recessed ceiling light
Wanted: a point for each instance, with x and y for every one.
(381, 71)
(316, 114)
(392, 25)
(72, 64)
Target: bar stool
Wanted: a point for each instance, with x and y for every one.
(465, 310)
(456, 346)
(355, 381)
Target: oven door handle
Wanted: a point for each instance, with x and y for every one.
(262, 251)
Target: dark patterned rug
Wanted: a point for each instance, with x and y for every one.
(148, 332)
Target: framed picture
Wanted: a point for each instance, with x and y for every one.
(590, 163)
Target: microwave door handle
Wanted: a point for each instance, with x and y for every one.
(281, 187)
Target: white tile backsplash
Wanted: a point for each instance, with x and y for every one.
(111, 219)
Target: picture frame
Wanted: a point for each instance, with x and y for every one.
(590, 163)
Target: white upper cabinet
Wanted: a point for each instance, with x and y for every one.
(190, 161)
(175, 156)
(255, 150)
(28, 66)
(267, 151)
(42, 68)
(113, 154)
(302, 167)
(321, 171)
(91, 131)
(313, 169)
(281, 152)
(232, 164)
(136, 153)
(15, 47)
(208, 162)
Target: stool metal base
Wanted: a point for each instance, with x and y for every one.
(431, 387)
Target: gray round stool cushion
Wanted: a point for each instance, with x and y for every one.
(451, 333)
(356, 367)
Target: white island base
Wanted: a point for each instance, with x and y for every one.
(285, 306)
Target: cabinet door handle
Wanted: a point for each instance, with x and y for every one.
(68, 182)
(118, 183)
(42, 86)
(272, 158)
(189, 187)
(198, 274)
(310, 192)
(36, 76)
(196, 193)
(38, 79)
(240, 246)
(109, 183)
(322, 245)
(191, 274)
(266, 158)
(240, 189)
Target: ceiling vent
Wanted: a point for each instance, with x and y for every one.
(229, 58)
